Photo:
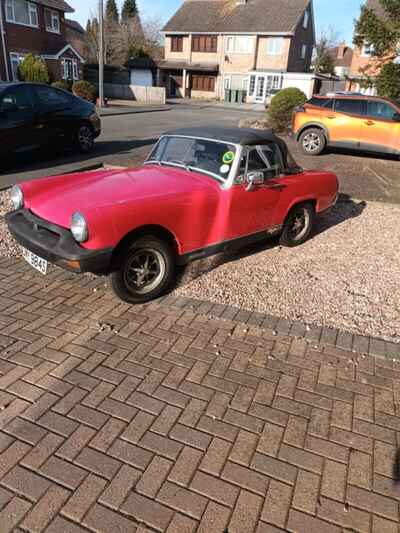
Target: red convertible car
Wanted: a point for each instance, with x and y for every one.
(201, 191)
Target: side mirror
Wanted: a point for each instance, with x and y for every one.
(396, 117)
(253, 179)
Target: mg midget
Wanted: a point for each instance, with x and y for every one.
(200, 192)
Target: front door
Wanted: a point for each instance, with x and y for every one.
(175, 85)
(260, 89)
(380, 131)
(252, 211)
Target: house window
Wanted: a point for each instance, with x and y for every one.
(70, 69)
(16, 60)
(52, 19)
(303, 51)
(22, 12)
(305, 20)
(203, 82)
(239, 44)
(204, 43)
(367, 50)
(176, 44)
(275, 46)
(252, 85)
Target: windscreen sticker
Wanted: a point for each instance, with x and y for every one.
(228, 157)
(224, 169)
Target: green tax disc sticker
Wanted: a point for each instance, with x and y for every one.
(228, 157)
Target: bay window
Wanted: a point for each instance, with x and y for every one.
(22, 12)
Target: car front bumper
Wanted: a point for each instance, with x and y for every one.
(56, 244)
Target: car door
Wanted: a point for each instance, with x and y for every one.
(17, 120)
(346, 122)
(54, 114)
(381, 127)
(251, 210)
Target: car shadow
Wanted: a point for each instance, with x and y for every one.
(360, 153)
(345, 209)
(51, 158)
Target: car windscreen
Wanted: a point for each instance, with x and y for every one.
(211, 157)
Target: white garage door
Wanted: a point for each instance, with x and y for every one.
(141, 77)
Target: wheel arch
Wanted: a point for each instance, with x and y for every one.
(149, 229)
(311, 125)
(297, 203)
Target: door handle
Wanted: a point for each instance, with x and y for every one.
(277, 186)
(369, 122)
(39, 126)
(331, 116)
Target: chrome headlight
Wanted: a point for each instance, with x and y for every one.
(17, 197)
(79, 228)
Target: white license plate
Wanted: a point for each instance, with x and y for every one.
(35, 261)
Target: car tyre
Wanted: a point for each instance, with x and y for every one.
(144, 270)
(84, 139)
(312, 141)
(298, 225)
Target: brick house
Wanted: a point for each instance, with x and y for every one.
(255, 45)
(363, 64)
(37, 27)
(342, 56)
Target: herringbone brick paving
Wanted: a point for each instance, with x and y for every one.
(167, 418)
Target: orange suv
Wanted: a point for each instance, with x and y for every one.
(358, 122)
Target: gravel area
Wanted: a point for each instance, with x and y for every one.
(346, 276)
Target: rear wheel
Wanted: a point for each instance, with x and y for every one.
(298, 225)
(312, 141)
(144, 270)
(84, 139)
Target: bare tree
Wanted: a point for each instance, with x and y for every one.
(323, 60)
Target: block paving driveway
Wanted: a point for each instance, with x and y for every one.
(184, 417)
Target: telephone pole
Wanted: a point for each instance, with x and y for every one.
(101, 53)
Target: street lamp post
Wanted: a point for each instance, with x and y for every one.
(101, 53)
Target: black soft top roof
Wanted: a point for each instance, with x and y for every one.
(243, 136)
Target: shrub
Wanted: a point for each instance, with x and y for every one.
(282, 105)
(85, 90)
(33, 69)
(62, 84)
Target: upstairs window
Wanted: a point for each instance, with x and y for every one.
(303, 51)
(52, 19)
(22, 12)
(305, 20)
(239, 44)
(177, 44)
(367, 50)
(275, 46)
(204, 43)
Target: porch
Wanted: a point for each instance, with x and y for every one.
(188, 80)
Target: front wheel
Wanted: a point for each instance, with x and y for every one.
(312, 141)
(144, 270)
(298, 225)
(84, 139)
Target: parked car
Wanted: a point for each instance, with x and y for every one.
(200, 192)
(365, 123)
(35, 115)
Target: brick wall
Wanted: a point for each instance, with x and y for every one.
(268, 62)
(302, 36)
(359, 63)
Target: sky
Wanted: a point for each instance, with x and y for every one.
(335, 16)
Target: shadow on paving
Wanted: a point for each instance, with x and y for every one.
(51, 158)
(345, 209)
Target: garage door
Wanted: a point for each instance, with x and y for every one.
(141, 77)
